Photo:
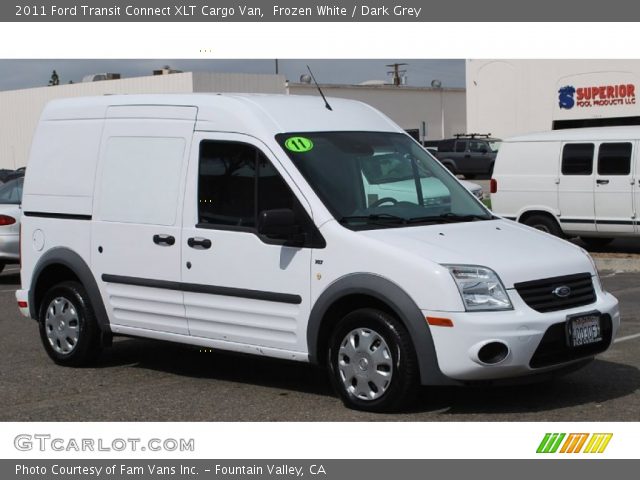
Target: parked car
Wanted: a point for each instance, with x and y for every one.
(272, 225)
(10, 215)
(579, 182)
(469, 154)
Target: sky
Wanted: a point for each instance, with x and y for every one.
(18, 74)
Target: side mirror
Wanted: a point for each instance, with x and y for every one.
(279, 223)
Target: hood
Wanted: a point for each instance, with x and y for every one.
(515, 252)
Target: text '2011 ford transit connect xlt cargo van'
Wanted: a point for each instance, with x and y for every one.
(272, 225)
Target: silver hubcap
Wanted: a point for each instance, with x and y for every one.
(62, 325)
(365, 364)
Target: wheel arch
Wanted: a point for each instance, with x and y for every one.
(361, 290)
(61, 264)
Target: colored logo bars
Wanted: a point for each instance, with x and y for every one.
(574, 443)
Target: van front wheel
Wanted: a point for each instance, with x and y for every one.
(372, 362)
(68, 327)
(544, 223)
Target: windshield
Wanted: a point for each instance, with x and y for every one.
(494, 145)
(379, 179)
(11, 192)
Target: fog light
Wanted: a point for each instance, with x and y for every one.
(493, 352)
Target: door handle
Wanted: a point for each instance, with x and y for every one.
(199, 243)
(166, 240)
(602, 182)
(468, 155)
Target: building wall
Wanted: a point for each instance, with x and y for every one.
(20, 109)
(512, 97)
(407, 106)
(238, 82)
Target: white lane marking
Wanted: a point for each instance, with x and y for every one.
(7, 291)
(628, 337)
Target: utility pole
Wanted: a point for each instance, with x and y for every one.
(396, 72)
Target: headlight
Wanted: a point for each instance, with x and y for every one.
(480, 288)
(595, 269)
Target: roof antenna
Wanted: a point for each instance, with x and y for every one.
(326, 104)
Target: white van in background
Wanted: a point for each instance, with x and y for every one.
(273, 225)
(579, 182)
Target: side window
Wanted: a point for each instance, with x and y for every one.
(273, 192)
(577, 159)
(476, 146)
(461, 146)
(227, 184)
(614, 159)
(236, 182)
(445, 146)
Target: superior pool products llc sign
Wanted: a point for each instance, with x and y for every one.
(570, 96)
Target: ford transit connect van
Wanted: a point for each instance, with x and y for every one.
(579, 182)
(274, 226)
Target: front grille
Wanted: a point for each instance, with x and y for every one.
(538, 294)
(554, 348)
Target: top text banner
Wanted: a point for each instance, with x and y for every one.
(318, 11)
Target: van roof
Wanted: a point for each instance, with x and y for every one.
(597, 133)
(264, 113)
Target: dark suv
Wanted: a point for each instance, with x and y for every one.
(469, 154)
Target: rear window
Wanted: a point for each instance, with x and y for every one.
(11, 192)
(577, 159)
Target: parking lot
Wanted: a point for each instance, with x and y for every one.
(154, 381)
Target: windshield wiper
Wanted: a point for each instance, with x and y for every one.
(448, 218)
(384, 218)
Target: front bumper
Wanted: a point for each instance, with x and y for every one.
(9, 248)
(521, 329)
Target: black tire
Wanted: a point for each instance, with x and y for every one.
(596, 242)
(400, 358)
(544, 223)
(69, 297)
(450, 167)
(1, 267)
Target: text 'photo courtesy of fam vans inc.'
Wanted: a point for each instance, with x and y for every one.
(287, 227)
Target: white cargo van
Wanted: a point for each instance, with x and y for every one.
(274, 226)
(579, 182)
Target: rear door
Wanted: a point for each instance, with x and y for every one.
(614, 207)
(137, 216)
(576, 187)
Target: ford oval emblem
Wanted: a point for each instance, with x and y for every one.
(562, 292)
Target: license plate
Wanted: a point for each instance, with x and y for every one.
(584, 330)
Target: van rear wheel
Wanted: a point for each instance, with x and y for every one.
(543, 223)
(68, 327)
(372, 361)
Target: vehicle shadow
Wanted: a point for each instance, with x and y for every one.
(196, 362)
(10, 278)
(601, 381)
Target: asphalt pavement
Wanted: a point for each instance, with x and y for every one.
(155, 381)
